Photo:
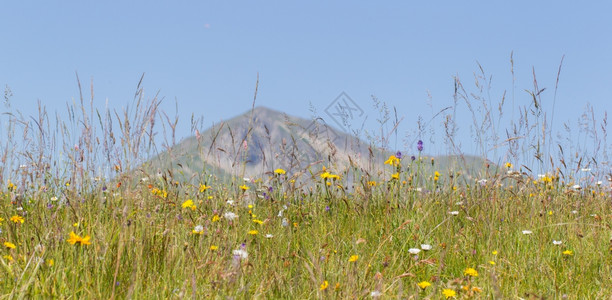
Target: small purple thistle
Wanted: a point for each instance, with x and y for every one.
(398, 155)
(420, 146)
(413, 158)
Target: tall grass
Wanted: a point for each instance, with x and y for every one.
(532, 224)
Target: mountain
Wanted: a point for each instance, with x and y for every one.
(262, 140)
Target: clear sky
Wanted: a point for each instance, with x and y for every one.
(206, 55)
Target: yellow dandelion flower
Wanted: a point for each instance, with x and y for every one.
(215, 218)
(372, 183)
(9, 245)
(324, 285)
(448, 293)
(568, 253)
(279, 172)
(213, 248)
(189, 204)
(494, 252)
(491, 262)
(11, 186)
(244, 187)
(260, 222)
(203, 188)
(50, 262)
(17, 219)
(75, 239)
(353, 258)
(253, 232)
(423, 284)
(509, 165)
(470, 272)
(8, 257)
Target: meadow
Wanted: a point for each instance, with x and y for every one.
(83, 218)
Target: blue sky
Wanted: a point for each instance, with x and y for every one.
(206, 55)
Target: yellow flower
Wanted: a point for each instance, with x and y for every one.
(395, 176)
(423, 284)
(470, 272)
(203, 188)
(17, 219)
(279, 172)
(244, 187)
(11, 186)
(8, 257)
(448, 293)
(253, 232)
(213, 247)
(476, 289)
(9, 245)
(260, 222)
(494, 252)
(372, 183)
(568, 253)
(353, 258)
(189, 204)
(50, 262)
(324, 285)
(215, 218)
(394, 161)
(75, 239)
(508, 165)
(491, 262)
(436, 174)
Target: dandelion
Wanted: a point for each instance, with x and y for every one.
(353, 258)
(414, 251)
(189, 204)
(393, 161)
(203, 188)
(494, 252)
(470, 272)
(50, 262)
(199, 229)
(9, 245)
(324, 285)
(509, 165)
(75, 239)
(448, 293)
(279, 172)
(253, 232)
(215, 218)
(17, 219)
(11, 186)
(8, 257)
(423, 284)
(213, 248)
(371, 183)
(568, 253)
(491, 262)
(244, 187)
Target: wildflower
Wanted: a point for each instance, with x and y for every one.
(568, 253)
(241, 253)
(279, 172)
(509, 165)
(75, 239)
(448, 293)
(9, 245)
(203, 188)
(11, 186)
(527, 232)
(375, 294)
(50, 262)
(260, 222)
(372, 183)
(414, 250)
(454, 213)
(189, 204)
(8, 257)
(395, 176)
(393, 161)
(420, 146)
(398, 154)
(423, 284)
(269, 236)
(353, 258)
(215, 218)
(494, 252)
(476, 289)
(324, 285)
(213, 247)
(557, 242)
(470, 272)
(285, 222)
(426, 247)
(199, 229)
(244, 187)
(491, 262)
(230, 215)
(17, 219)
(253, 232)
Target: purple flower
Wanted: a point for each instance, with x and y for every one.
(326, 208)
(398, 155)
(420, 146)
(412, 157)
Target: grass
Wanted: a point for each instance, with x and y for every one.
(508, 234)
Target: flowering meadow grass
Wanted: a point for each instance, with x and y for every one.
(81, 217)
(528, 238)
